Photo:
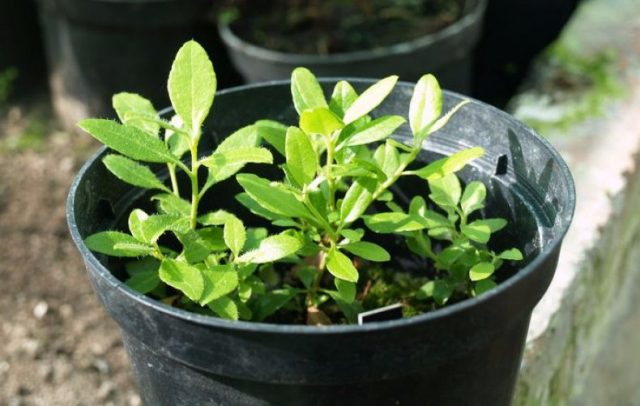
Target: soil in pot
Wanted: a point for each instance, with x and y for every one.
(327, 27)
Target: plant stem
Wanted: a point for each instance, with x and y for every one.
(393, 178)
(322, 265)
(329, 174)
(195, 195)
(174, 179)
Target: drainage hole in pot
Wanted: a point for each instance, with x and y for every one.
(502, 165)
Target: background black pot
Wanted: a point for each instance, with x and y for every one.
(467, 353)
(96, 48)
(446, 53)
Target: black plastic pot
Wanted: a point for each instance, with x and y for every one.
(467, 353)
(446, 53)
(96, 48)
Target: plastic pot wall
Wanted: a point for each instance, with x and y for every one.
(96, 48)
(467, 353)
(446, 53)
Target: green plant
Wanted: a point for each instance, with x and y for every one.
(332, 180)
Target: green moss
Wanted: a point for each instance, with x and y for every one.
(574, 88)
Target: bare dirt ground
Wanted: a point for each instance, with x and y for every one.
(57, 346)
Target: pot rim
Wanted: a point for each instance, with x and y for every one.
(272, 328)
(472, 13)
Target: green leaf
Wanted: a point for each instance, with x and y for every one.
(182, 276)
(272, 249)
(460, 159)
(302, 160)
(346, 290)
(126, 103)
(307, 275)
(234, 235)
(273, 198)
(442, 291)
(495, 224)
(387, 158)
(192, 84)
(129, 141)
(352, 235)
(483, 286)
(219, 280)
(171, 204)
(246, 137)
(394, 222)
(224, 307)
(473, 197)
(178, 142)
(442, 121)
(342, 98)
(357, 200)
(375, 130)
(340, 266)
(512, 254)
(320, 120)
(256, 208)
(136, 218)
(481, 271)
(117, 244)
(132, 172)
(199, 244)
(142, 265)
(445, 191)
(306, 91)
(274, 133)
(215, 218)
(425, 107)
(368, 251)
(144, 282)
(477, 232)
(225, 164)
(370, 99)
(269, 303)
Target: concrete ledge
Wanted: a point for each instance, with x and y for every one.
(595, 123)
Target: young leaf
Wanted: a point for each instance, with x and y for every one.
(144, 282)
(246, 137)
(442, 121)
(269, 303)
(387, 158)
(483, 286)
(117, 244)
(234, 235)
(192, 84)
(302, 160)
(481, 271)
(346, 290)
(306, 91)
(368, 251)
(460, 159)
(182, 276)
(129, 141)
(394, 222)
(342, 98)
(256, 208)
(272, 132)
(494, 224)
(177, 142)
(340, 266)
(274, 199)
(219, 281)
(352, 235)
(126, 103)
(136, 218)
(225, 164)
(320, 120)
(477, 232)
(473, 197)
(272, 249)
(215, 218)
(375, 130)
(171, 204)
(445, 191)
(357, 200)
(512, 254)
(425, 107)
(225, 308)
(370, 99)
(132, 172)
